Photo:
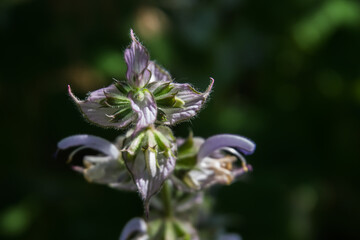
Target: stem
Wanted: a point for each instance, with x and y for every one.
(166, 197)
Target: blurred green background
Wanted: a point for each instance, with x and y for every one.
(287, 75)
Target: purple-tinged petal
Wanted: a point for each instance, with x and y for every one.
(89, 141)
(240, 171)
(216, 142)
(108, 169)
(186, 103)
(144, 105)
(134, 229)
(105, 170)
(95, 112)
(137, 60)
(158, 74)
(230, 236)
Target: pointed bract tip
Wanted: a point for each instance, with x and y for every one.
(208, 90)
(211, 84)
(69, 90)
(132, 35)
(72, 95)
(78, 169)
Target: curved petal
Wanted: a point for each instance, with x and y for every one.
(95, 112)
(136, 226)
(137, 59)
(158, 74)
(230, 236)
(216, 142)
(186, 103)
(105, 170)
(89, 141)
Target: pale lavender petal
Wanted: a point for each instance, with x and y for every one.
(158, 74)
(96, 113)
(216, 142)
(143, 78)
(240, 171)
(89, 141)
(145, 107)
(192, 102)
(134, 228)
(137, 59)
(230, 236)
(107, 170)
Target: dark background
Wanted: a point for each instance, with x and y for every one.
(287, 75)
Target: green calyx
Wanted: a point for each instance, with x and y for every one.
(186, 158)
(152, 142)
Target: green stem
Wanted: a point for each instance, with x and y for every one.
(166, 197)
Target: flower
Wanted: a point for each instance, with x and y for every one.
(211, 161)
(169, 229)
(143, 163)
(230, 236)
(150, 158)
(135, 229)
(106, 168)
(147, 96)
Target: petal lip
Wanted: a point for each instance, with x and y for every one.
(134, 226)
(93, 142)
(216, 142)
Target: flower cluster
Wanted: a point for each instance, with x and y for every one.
(148, 155)
(147, 96)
